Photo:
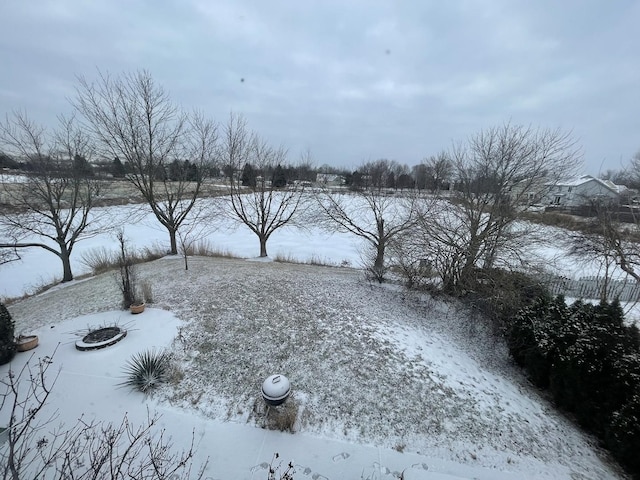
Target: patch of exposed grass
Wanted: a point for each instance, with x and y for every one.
(101, 260)
(314, 260)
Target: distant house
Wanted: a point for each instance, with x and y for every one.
(529, 191)
(582, 191)
(330, 179)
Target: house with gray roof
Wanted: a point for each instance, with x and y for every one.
(584, 190)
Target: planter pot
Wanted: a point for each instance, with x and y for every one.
(137, 308)
(28, 342)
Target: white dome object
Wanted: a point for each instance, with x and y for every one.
(276, 389)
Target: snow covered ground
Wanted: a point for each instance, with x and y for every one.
(385, 381)
(311, 243)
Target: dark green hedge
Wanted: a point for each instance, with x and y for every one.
(590, 361)
(7, 341)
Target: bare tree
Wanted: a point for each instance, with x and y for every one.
(609, 242)
(135, 120)
(50, 207)
(439, 170)
(87, 450)
(494, 174)
(370, 214)
(194, 230)
(257, 204)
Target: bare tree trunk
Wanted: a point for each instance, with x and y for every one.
(67, 275)
(378, 264)
(263, 246)
(172, 240)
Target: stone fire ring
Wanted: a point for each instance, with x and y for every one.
(101, 338)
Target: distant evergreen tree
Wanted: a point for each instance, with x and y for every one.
(356, 180)
(391, 180)
(228, 171)
(82, 167)
(279, 179)
(248, 178)
(7, 162)
(190, 171)
(117, 168)
(176, 171)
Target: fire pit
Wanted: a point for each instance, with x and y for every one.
(101, 338)
(276, 389)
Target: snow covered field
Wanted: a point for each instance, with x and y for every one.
(39, 267)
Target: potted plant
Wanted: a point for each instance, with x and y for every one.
(26, 342)
(137, 307)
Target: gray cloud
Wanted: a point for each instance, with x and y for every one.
(352, 81)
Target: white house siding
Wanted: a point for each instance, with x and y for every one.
(580, 192)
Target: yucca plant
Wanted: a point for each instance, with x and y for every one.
(146, 370)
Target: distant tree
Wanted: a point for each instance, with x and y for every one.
(175, 170)
(55, 200)
(133, 118)
(305, 170)
(260, 207)
(419, 173)
(7, 162)
(391, 180)
(355, 180)
(228, 171)
(630, 176)
(248, 178)
(82, 167)
(467, 232)
(279, 178)
(117, 168)
(370, 215)
(405, 181)
(438, 171)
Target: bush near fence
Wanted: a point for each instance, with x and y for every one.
(590, 361)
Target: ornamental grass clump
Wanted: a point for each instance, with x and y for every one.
(146, 370)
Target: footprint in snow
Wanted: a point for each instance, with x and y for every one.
(341, 456)
(422, 466)
(262, 466)
(317, 476)
(304, 470)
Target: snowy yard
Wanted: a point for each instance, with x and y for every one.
(384, 380)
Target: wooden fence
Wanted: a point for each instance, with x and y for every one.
(592, 287)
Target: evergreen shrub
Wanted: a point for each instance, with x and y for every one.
(590, 361)
(7, 340)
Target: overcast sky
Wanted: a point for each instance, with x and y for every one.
(350, 80)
